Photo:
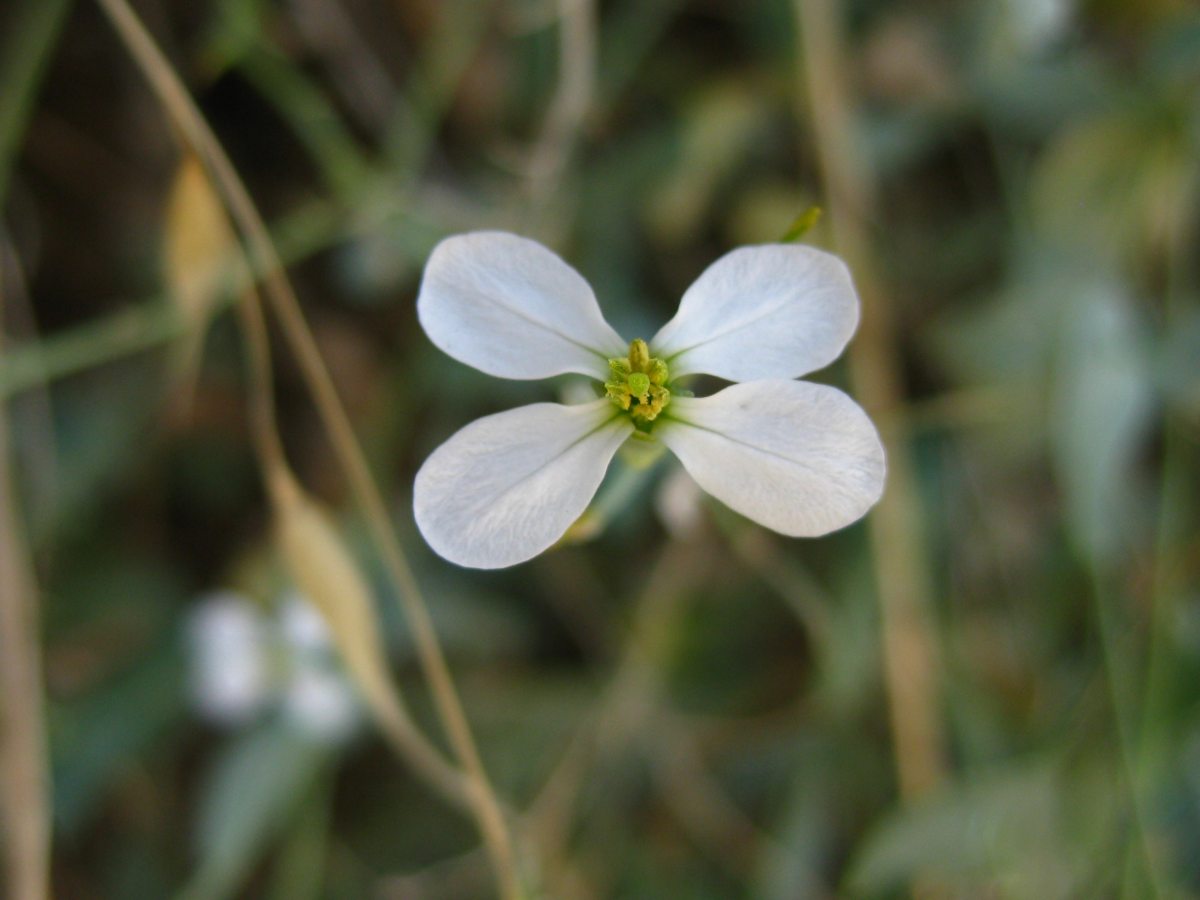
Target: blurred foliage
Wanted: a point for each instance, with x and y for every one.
(705, 699)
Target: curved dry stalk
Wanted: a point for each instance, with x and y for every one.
(185, 115)
(390, 713)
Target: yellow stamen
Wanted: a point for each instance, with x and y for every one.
(639, 383)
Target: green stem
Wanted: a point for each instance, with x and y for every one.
(150, 323)
(121, 334)
(1120, 679)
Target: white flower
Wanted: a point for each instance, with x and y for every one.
(800, 458)
(230, 672)
(317, 696)
(246, 664)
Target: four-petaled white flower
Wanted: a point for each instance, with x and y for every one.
(800, 458)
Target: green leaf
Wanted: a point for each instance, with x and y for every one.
(253, 788)
(1013, 833)
(1101, 407)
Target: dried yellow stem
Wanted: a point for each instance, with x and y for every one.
(24, 780)
(898, 554)
(196, 132)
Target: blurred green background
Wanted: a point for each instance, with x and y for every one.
(684, 705)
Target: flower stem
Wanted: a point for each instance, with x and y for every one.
(199, 136)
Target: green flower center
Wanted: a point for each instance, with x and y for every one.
(639, 384)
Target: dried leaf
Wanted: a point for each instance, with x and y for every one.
(199, 252)
(326, 573)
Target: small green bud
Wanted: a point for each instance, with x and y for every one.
(802, 225)
(639, 384)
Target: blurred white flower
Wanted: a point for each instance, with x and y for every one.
(800, 458)
(321, 703)
(227, 638)
(245, 664)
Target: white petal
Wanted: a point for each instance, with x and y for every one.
(771, 311)
(800, 458)
(509, 307)
(507, 486)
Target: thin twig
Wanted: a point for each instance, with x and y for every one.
(199, 136)
(898, 555)
(264, 426)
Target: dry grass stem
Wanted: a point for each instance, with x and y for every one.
(300, 523)
(898, 552)
(188, 119)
